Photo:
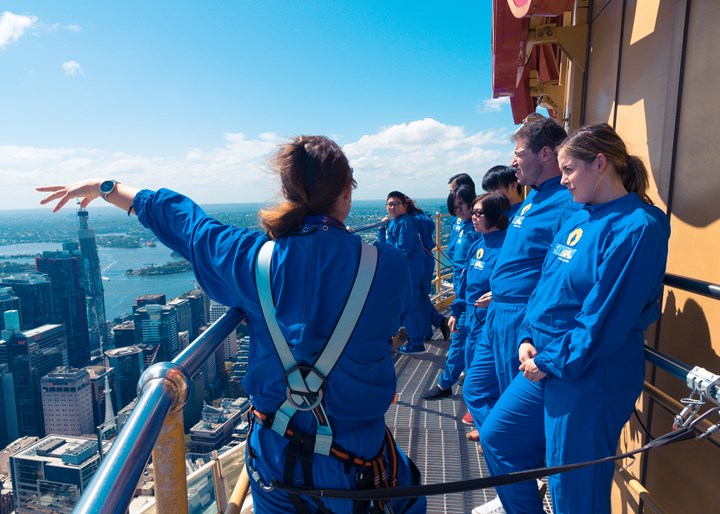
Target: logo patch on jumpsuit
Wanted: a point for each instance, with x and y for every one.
(479, 264)
(517, 221)
(565, 253)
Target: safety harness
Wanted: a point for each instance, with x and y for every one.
(305, 387)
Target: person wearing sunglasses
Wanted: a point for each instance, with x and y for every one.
(473, 296)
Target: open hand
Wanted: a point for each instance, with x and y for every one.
(88, 190)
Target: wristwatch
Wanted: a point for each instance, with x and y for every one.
(107, 187)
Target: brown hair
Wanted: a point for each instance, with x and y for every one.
(313, 172)
(541, 133)
(589, 141)
(408, 202)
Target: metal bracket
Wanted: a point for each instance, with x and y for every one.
(571, 39)
(549, 94)
(704, 382)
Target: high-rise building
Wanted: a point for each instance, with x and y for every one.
(99, 375)
(230, 344)
(124, 334)
(214, 369)
(128, 364)
(184, 313)
(51, 475)
(239, 368)
(35, 293)
(8, 302)
(7, 400)
(67, 402)
(65, 272)
(94, 291)
(156, 326)
(148, 299)
(29, 356)
(199, 311)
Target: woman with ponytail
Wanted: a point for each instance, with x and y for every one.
(581, 344)
(312, 267)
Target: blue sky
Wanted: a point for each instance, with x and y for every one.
(195, 95)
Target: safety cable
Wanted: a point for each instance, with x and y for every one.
(642, 425)
(684, 433)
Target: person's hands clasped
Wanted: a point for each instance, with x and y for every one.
(526, 355)
(88, 190)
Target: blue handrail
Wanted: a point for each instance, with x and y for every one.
(111, 489)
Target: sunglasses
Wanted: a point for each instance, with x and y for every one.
(477, 212)
(393, 204)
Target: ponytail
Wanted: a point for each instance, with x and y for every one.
(313, 172)
(635, 178)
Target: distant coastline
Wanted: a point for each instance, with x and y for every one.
(169, 268)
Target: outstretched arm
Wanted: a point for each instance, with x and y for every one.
(122, 196)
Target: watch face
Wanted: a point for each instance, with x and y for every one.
(107, 186)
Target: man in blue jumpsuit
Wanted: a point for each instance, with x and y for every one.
(531, 230)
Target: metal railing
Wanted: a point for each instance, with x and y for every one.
(163, 390)
(699, 380)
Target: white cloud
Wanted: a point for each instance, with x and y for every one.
(416, 158)
(73, 27)
(494, 104)
(72, 68)
(13, 26)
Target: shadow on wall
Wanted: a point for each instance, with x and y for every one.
(649, 76)
(685, 336)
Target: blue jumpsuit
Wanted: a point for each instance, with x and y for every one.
(312, 274)
(426, 228)
(480, 389)
(465, 236)
(402, 233)
(518, 269)
(598, 293)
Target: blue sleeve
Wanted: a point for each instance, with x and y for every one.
(459, 305)
(624, 298)
(406, 236)
(382, 232)
(222, 256)
(450, 250)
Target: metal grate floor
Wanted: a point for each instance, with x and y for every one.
(432, 432)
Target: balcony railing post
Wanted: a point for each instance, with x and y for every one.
(436, 251)
(168, 455)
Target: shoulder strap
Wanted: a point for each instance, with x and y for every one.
(304, 383)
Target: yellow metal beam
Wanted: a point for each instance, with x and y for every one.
(168, 455)
(572, 40)
(550, 94)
